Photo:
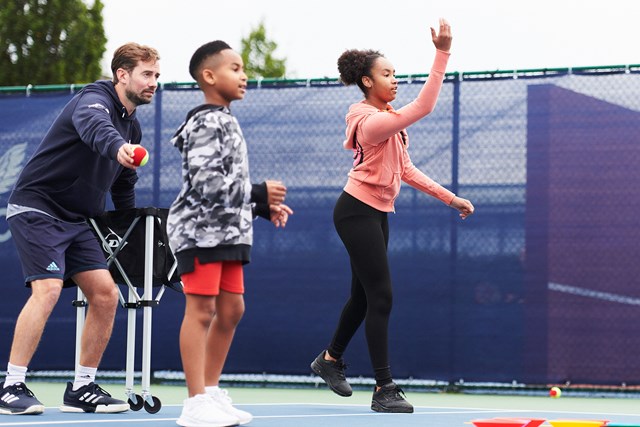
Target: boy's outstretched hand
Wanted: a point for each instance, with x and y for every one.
(280, 214)
(442, 40)
(276, 192)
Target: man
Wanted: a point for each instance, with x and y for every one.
(86, 153)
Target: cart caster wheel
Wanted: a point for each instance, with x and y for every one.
(138, 404)
(156, 405)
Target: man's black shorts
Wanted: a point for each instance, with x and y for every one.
(50, 248)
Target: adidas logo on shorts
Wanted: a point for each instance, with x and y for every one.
(53, 267)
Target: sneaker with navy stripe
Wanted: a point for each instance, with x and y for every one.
(17, 399)
(91, 398)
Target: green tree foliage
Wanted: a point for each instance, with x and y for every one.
(50, 41)
(257, 54)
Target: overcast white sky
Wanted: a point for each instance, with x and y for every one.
(488, 34)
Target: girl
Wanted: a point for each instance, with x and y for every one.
(376, 133)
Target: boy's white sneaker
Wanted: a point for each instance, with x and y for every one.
(201, 411)
(221, 398)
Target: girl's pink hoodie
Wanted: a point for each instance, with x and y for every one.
(381, 142)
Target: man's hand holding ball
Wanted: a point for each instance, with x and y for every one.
(132, 156)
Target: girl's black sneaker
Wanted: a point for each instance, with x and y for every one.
(390, 398)
(333, 374)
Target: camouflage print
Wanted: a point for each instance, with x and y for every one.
(213, 207)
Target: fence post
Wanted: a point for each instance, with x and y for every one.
(157, 148)
(453, 242)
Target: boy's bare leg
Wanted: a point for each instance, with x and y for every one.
(229, 311)
(196, 324)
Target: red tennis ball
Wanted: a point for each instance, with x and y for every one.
(140, 155)
(555, 392)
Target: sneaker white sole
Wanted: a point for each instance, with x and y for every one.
(100, 409)
(242, 416)
(245, 420)
(31, 410)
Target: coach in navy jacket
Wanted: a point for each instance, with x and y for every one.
(87, 153)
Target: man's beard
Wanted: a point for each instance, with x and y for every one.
(136, 99)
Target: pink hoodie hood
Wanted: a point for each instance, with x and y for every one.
(356, 113)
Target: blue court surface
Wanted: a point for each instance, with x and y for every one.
(302, 414)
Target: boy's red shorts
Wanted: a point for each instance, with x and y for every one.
(210, 278)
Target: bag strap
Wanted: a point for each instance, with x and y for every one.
(358, 151)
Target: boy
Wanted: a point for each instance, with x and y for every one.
(210, 231)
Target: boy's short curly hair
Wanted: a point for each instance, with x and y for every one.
(204, 52)
(354, 64)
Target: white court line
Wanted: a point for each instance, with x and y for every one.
(68, 422)
(148, 420)
(442, 410)
(379, 414)
(452, 409)
(606, 296)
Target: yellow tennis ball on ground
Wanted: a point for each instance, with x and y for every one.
(555, 392)
(140, 155)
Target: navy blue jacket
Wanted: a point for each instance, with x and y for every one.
(75, 165)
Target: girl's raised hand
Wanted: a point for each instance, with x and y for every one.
(442, 40)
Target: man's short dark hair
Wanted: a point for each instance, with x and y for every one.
(204, 52)
(127, 57)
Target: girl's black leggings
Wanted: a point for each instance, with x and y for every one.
(365, 234)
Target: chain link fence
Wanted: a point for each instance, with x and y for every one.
(539, 286)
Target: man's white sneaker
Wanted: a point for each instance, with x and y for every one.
(221, 398)
(201, 411)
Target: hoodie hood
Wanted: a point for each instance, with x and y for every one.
(179, 136)
(358, 112)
